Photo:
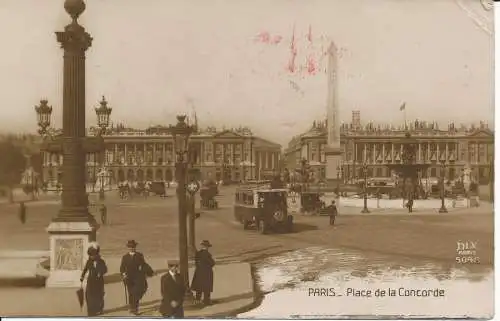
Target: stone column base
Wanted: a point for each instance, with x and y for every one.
(69, 242)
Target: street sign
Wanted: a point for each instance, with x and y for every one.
(193, 187)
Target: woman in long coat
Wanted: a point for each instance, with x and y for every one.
(94, 291)
(203, 278)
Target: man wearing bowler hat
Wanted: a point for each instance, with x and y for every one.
(134, 271)
(203, 278)
(172, 292)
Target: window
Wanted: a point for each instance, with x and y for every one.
(433, 172)
(378, 172)
(109, 157)
(472, 152)
(322, 156)
(482, 172)
(149, 157)
(452, 173)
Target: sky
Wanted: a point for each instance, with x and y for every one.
(153, 59)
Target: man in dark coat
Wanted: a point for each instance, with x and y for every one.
(203, 278)
(135, 271)
(103, 210)
(94, 291)
(332, 212)
(172, 292)
(22, 212)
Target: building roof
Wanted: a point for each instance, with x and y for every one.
(417, 129)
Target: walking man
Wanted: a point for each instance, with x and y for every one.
(172, 292)
(134, 271)
(410, 204)
(22, 212)
(94, 291)
(203, 278)
(103, 210)
(332, 212)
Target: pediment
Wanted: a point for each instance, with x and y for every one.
(227, 134)
(485, 132)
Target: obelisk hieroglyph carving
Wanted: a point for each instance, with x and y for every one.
(333, 149)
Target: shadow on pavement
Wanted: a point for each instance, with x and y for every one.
(38, 282)
(117, 278)
(302, 227)
(152, 306)
(224, 257)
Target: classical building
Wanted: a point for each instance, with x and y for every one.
(378, 145)
(137, 155)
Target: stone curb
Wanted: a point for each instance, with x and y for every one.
(258, 297)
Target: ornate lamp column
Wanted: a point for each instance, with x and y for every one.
(443, 207)
(180, 133)
(338, 183)
(103, 112)
(73, 227)
(365, 186)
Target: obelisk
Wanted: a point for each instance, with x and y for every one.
(332, 150)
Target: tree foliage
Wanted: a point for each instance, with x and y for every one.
(12, 163)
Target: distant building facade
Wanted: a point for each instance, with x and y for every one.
(138, 155)
(378, 146)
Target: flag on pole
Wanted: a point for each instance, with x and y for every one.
(403, 107)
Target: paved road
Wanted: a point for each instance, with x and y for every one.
(153, 223)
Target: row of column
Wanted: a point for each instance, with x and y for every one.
(165, 153)
(228, 152)
(268, 159)
(450, 154)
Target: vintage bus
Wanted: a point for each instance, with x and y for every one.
(264, 209)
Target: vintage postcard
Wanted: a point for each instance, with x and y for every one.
(247, 159)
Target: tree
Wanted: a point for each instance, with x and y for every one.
(12, 164)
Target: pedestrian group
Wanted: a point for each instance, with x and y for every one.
(135, 270)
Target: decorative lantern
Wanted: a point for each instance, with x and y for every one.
(181, 132)
(103, 112)
(43, 112)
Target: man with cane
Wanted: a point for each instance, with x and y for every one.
(134, 271)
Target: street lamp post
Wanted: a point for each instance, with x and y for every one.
(443, 207)
(305, 174)
(73, 227)
(102, 112)
(192, 188)
(180, 133)
(338, 182)
(365, 192)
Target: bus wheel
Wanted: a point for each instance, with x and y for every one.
(262, 227)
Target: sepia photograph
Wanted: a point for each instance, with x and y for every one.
(264, 159)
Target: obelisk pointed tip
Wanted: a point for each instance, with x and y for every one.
(332, 49)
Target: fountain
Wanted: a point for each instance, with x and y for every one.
(408, 170)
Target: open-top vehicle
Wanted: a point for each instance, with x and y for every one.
(264, 209)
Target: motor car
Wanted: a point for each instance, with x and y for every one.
(264, 209)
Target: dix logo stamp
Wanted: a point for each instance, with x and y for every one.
(467, 252)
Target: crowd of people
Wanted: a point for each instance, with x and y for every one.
(135, 271)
